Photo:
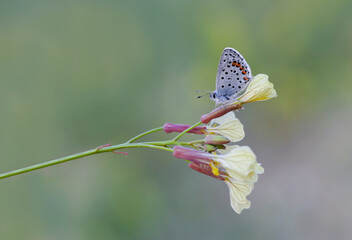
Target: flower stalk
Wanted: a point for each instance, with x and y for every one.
(161, 145)
(214, 155)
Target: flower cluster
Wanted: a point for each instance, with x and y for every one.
(217, 155)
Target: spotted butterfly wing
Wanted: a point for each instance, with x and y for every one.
(233, 76)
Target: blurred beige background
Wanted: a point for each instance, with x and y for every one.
(78, 74)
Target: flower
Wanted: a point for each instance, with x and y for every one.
(228, 126)
(242, 168)
(236, 166)
(239, 190)
(240, 162)
(224, 129)
(259, 89)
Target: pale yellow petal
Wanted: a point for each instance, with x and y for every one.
(238, 207)
(228, 148)
(259, 89)
(238, 195)
(228, 126)
(240, 160)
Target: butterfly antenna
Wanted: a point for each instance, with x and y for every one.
(203, 95)
(204, 91)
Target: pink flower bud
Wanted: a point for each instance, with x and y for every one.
(169, 128)
(216, 140)
(219, 111)
(192, 155)
(206, 169)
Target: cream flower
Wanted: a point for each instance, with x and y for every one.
(236, 166)
(242, 168)
(259, 89)
(228, 126)
(239, 162)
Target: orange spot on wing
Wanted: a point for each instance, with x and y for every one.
(234, 64)
(245, 78)
(241, 68)
(244, 72)
(238, 65)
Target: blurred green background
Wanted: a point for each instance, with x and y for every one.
(75, 75)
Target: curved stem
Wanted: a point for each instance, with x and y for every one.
(161, 145)
(47, 164)
(157, 147)
(143, 134)
(80, 155)
(185, 131)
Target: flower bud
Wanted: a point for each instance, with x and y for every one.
(216, 140)
(169, 128)
(212, 148)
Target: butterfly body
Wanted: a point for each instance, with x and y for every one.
(233, 76)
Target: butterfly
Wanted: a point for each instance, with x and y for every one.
(233, 77)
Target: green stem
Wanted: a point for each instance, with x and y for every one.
(47, 164)
(143, 134)
(161, 145)
(156, 145)
(185, 131)
(80, 155)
